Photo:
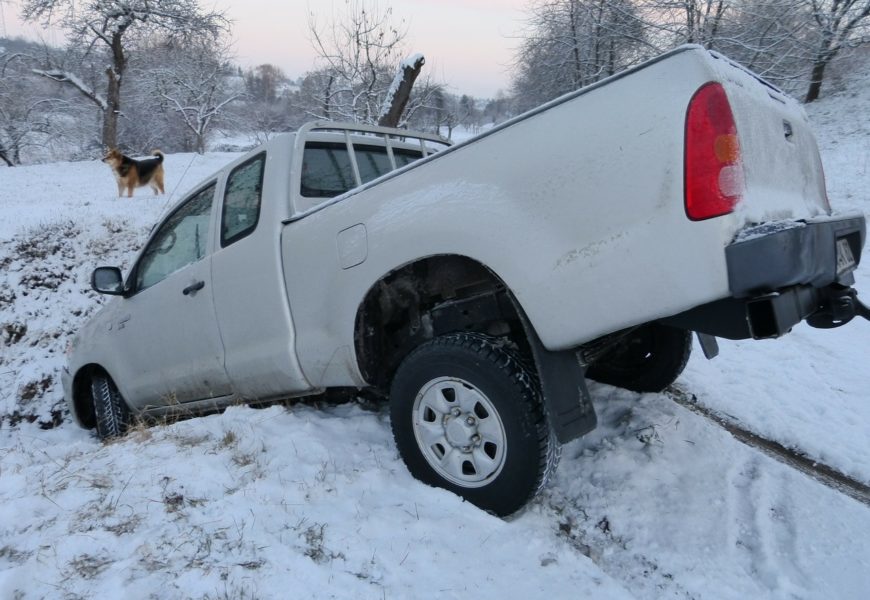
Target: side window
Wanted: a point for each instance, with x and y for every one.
(241, 206)
(405, 157)
(326, 170)
(373, 161)
(181, 240)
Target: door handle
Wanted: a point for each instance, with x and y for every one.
(193, 287)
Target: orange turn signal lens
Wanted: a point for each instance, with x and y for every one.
(727, 148)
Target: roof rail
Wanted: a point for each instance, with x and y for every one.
(342, 127)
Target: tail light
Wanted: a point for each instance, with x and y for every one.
(713, 170)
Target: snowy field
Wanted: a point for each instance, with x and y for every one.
(312, 501)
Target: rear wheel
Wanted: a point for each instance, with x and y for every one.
(648, 359)
(467, 416)
(112, 414)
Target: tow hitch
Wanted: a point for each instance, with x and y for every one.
(840, 305)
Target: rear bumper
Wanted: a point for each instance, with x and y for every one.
(774, 256)
(780, 274)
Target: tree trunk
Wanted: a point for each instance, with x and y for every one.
(816, 80)
(406, 77)
(113, 108)
(327, 94)
(4, 159)
(115, 75)
(575, 48)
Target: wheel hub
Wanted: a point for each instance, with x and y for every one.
(459, 432)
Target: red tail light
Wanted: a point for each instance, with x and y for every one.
(713, 171)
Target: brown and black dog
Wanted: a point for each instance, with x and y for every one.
(132, 173)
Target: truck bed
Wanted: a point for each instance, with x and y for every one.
(576, 206)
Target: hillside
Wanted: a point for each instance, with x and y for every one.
(311, 499)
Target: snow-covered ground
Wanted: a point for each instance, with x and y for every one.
(312, 501)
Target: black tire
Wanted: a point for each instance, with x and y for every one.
(111, 413)
(499, 404)
(648, 359)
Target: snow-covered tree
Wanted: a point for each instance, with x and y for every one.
(358, 57)
(838, 25)
(264, 83)
(25, 112)
(571, 43)
(674, 22)
(110, 27)
(787, 41)
(194, 83)
(768, 37)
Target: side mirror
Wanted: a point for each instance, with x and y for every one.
(108, 280)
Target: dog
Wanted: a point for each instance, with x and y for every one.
(132, 173)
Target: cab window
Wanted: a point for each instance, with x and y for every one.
(373, 161)
(405, 157)
(242, 198)
(326, 170)
(182, 239)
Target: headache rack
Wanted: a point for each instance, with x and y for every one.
(359, 139)
(390, 135)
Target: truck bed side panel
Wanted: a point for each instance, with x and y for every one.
(578, 209)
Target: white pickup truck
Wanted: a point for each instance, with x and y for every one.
(476, 286)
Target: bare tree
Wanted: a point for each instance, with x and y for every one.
(787, 41)
(674, 22)
(839, 24)
(112, 25)
(358, 57)
(194, 84)
(469, 115)
(769, 37)
(264, 82)
(25, 113)
(571, 43)
(270, 105)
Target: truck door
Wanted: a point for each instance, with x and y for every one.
(166, 329)
(250, 295)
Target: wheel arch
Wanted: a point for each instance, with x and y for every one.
(449, 293)
(418, 300)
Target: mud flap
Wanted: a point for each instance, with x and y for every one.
(563, 385)
(708, 344)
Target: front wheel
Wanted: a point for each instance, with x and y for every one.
(467, 416)
(112, 413)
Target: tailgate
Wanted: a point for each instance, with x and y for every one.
(781, 164)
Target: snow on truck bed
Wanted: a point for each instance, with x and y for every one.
(305, 501)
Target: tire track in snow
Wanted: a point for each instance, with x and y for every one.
(824, 474)
(750, 534)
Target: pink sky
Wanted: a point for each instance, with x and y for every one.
(468, 44)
